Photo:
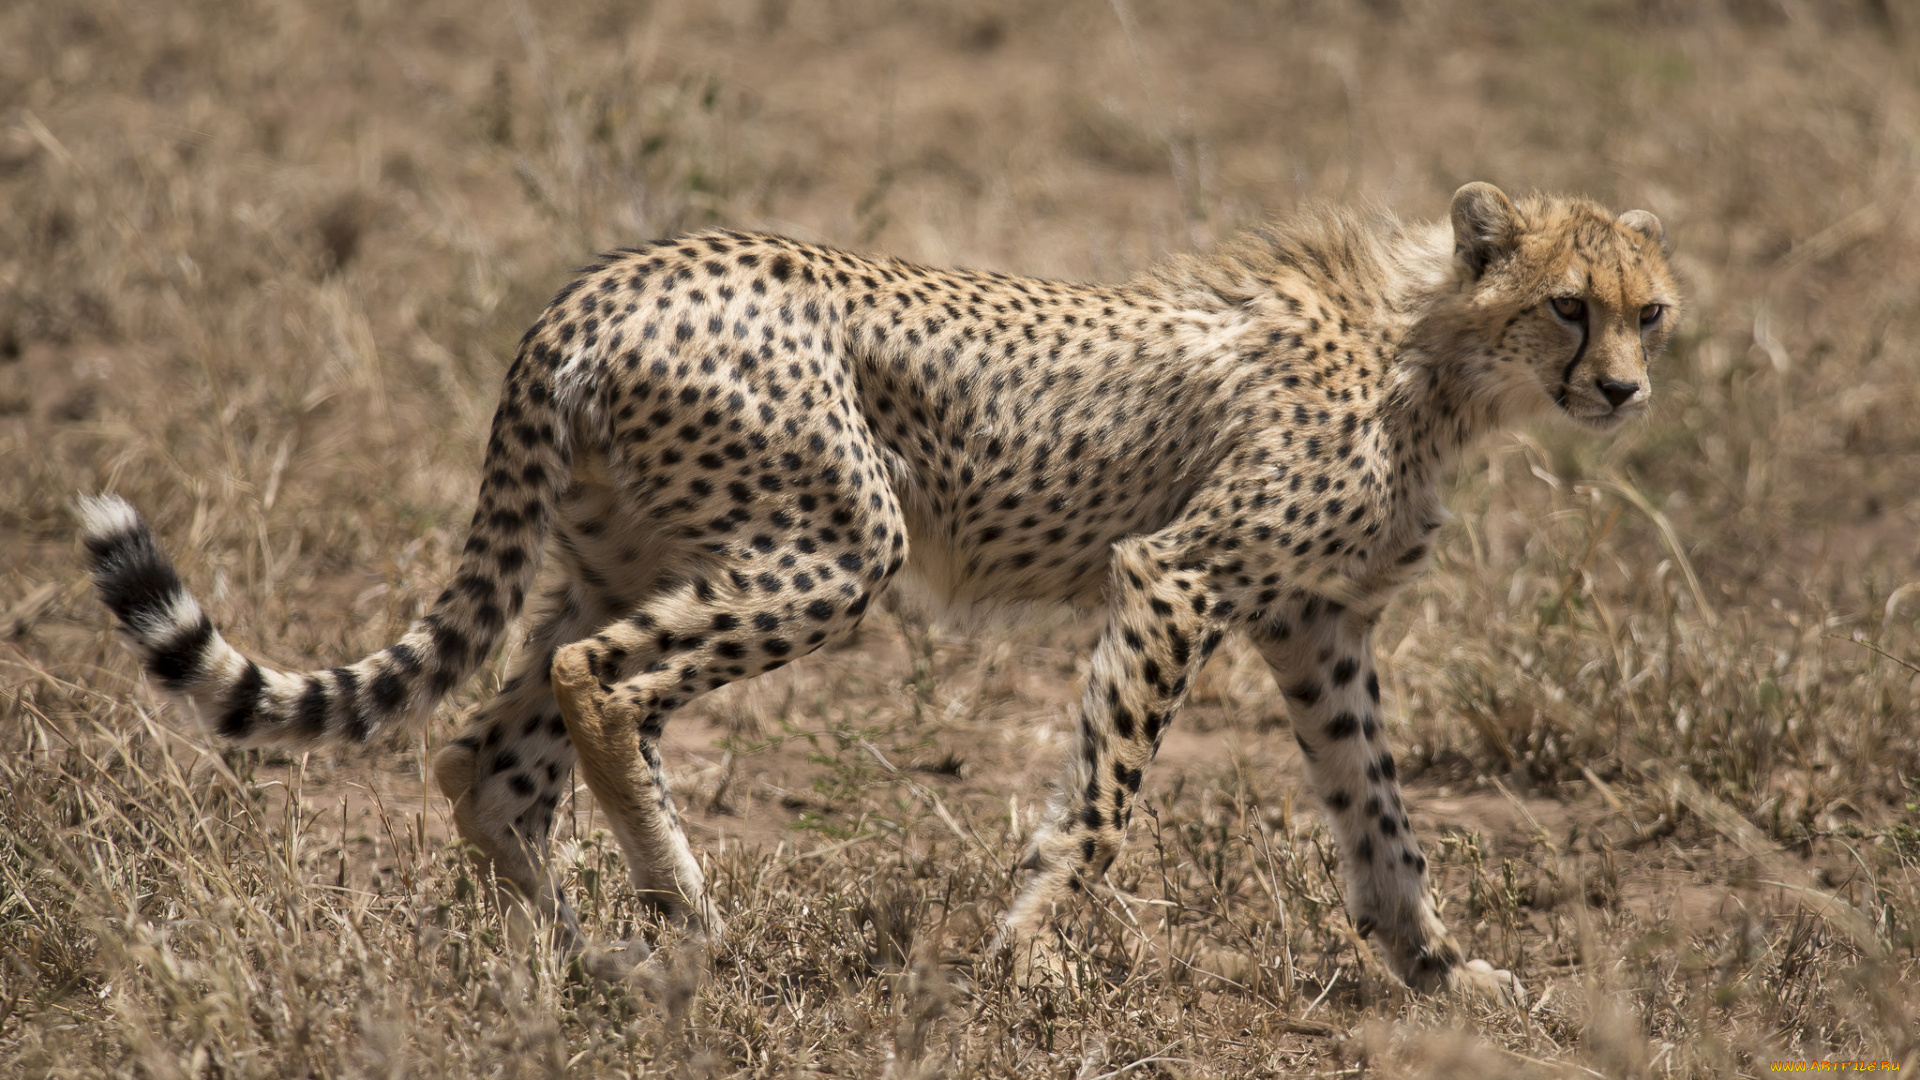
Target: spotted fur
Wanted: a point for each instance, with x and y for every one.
(730, 444)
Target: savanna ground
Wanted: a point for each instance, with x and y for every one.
(262, 264)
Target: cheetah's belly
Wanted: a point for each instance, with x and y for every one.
(967, 566)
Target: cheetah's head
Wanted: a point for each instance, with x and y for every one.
(1575, 302)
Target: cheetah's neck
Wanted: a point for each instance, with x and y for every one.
(1440, 396)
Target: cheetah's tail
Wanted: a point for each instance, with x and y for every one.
(251, 704)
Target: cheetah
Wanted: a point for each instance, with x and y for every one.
(733, 444)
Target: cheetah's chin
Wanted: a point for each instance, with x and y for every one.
(1603, 421)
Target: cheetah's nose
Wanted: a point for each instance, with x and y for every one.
(1617, 393)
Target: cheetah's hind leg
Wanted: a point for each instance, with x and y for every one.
(508, 770)
(617, 688)
(622, 766)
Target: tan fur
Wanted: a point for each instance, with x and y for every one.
(733, 445)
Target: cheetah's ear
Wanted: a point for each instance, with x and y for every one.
(1485, 226)
(1646, 225)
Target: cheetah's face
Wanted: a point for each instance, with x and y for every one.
(1584, 301)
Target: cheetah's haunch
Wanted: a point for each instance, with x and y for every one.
(732, 443)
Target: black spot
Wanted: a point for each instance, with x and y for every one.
(1344, 671)
(177, 661)
(310, 716)
(242, 702)
(1343, 726)
(1306, 750)
(1339, 800)
(359, 727)
(387, 691)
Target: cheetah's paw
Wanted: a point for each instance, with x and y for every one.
(616, 961)
(1481, 979)
(1034, 961)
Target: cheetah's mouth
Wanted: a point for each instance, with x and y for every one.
(1586, 406)
(1596, 414)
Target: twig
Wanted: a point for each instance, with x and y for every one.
(1725, 820)
(1147, 1061)
(933, 798)
(399, 852)
(1849, 918)
(1324, 991)
(1871, 647)
(1143, 1061)
(1539, 830)
(822, 852)
(1670, 538)
(1605, 789)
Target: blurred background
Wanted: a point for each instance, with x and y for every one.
(262, 266)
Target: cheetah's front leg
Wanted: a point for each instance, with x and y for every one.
(1161, 628)
(1324, 662)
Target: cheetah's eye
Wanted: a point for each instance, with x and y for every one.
(1570, 308)
(1652, 314)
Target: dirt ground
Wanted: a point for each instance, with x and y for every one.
(262, 265)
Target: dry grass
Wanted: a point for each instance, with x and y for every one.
(259, 267)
